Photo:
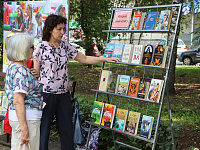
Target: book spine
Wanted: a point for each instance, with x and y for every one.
(113, 116)
(138, 120)
(101, 114)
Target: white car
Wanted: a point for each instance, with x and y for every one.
(181, 47)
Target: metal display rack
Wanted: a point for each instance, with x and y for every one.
(144, 72)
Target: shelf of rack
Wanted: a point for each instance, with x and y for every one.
(137, 31)
(146, 100)
(135, 136)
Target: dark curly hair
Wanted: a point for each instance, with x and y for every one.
(50, 23)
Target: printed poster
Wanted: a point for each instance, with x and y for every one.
(13, 11)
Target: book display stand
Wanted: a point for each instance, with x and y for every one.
(148, 108)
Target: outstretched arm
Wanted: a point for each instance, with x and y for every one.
(94, 60)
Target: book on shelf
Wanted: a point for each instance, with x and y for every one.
(112, 82)
(120, 119)
(108, 115)
(4, 101)
(138, 20)
(148, 54)
(133, 87)
(137, 54)
(1, 97)
(132, 122)
(121, 19)
(109, 50)
(152, 18)
(103, 81)
(146, 126)
(160, 55)
(126, 55)
(118, 49)
(123, 84)
(97, 112)
(143, 89)
(164, 20)
(155, 90)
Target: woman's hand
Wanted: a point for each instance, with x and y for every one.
(35, 73)
(113, 59)
(24, 136)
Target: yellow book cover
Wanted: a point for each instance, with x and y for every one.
(132, 122)
(120, 119)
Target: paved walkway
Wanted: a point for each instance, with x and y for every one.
(54, 144)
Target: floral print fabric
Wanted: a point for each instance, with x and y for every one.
(54, 65)
(20, 79)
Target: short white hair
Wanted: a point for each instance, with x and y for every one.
(18, 46)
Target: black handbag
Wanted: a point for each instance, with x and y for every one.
(76, 122)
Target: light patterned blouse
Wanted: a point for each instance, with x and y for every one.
(54, 65)
(20, 79)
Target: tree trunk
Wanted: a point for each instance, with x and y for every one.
(171, 79)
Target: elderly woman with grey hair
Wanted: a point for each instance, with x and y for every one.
(24, 94)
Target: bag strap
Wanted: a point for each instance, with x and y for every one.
(76, 106)
(29, 147)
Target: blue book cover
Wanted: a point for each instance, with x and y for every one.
(146, 126)
(151, 21)
(109, 50)
(118, 50)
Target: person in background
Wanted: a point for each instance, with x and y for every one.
(51, 58)
(20, 21)
(30, 22)
(38, 18)
(61, 12)
(24, 94)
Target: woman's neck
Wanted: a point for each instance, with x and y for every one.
(23, 63)
(55, 43)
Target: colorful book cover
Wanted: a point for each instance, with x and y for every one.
(133, 87)
(148, 54)
(155, 90)
(109, 50)
(137, 54)
(138, 20)
(132, 122)
(123, 84)
(112, 83)
(146, 126)
(120, 119)
(164, 20)
(1, 97)
(103, 81)
(160, 55)
(151, 21)
(143, 89)
(121, 19)
(118, 49)
(97, 112)
(108, 115)
(126, 56)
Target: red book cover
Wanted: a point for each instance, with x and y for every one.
(136, 20)
(133, 86)
(108, 115)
